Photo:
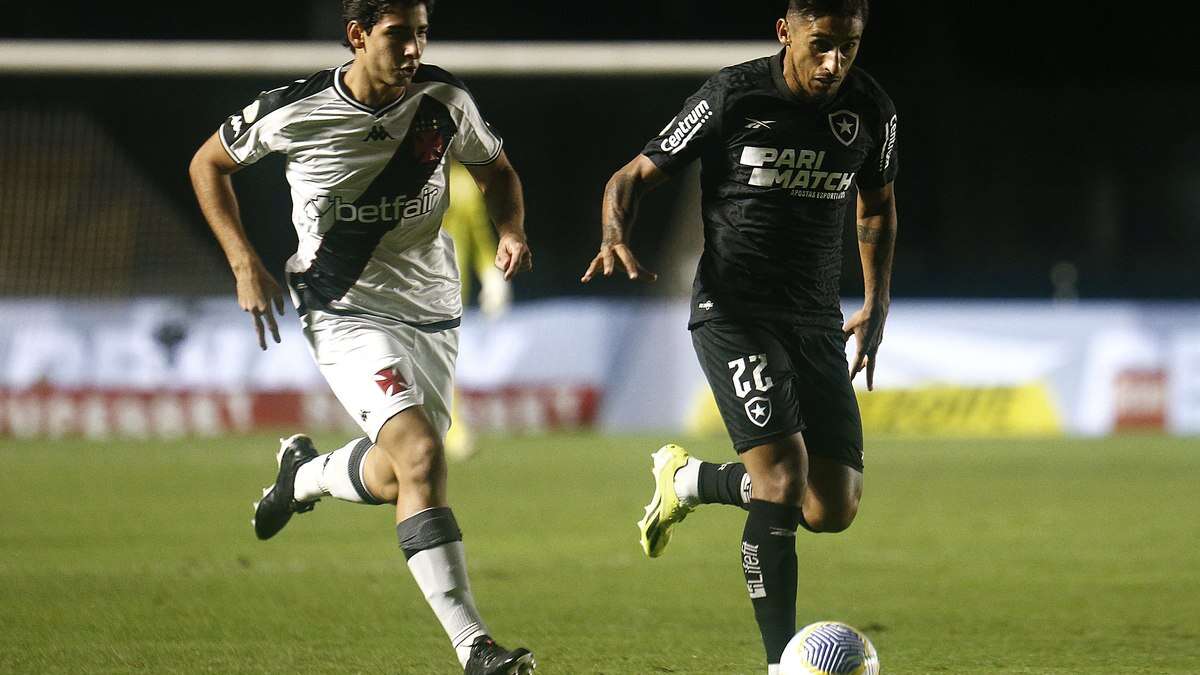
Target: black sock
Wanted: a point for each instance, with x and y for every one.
(769, 563)
(724, 484)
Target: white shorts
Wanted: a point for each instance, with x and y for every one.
(378, 367)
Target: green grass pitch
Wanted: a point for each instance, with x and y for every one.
(1048, 556)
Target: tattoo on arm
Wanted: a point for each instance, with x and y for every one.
(619, 210)
(871, 235)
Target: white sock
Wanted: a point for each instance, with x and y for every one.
(687, 481)
(773, 669)
(337, 474)
(441, 574)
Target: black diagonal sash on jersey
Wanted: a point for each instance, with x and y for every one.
(347, 246)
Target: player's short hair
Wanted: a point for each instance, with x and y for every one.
(367, 12)
(820, 8)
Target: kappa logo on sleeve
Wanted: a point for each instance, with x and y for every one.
(242, 121)
(250, 112)
(686, 128)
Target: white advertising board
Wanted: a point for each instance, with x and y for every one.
(162, 366)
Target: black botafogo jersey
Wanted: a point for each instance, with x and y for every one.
(776, 174)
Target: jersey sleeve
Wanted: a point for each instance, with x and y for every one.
(475, 142)
(686, 136)
(246, 136)
(882, 163)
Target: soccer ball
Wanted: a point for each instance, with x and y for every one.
(829, 648)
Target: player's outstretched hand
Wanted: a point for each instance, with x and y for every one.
(866, 326)
(513, 255)
(610, 256)
(257, 292)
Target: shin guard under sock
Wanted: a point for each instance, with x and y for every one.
(769, 564)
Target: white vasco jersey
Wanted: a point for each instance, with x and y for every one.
(369, 188)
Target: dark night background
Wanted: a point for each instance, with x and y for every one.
(1029, 137)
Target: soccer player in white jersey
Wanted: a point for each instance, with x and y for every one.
(374, 282)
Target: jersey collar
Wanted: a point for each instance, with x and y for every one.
(345, 95)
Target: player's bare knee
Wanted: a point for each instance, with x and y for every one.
(831, 518)
(839, 521)
(780, 485)
(416, 457)
(423, 462)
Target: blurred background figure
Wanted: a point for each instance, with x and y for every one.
(468, 224)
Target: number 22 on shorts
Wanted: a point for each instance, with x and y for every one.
(761, 382)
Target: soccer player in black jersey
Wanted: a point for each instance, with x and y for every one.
(782, 141)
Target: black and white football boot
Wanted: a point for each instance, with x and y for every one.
(489, 658)
(276, 507)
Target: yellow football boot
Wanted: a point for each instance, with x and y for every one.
(665, 508)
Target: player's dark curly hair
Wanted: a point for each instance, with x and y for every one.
(367, 12)
(819, 8)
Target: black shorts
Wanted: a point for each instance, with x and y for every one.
(773, 378)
